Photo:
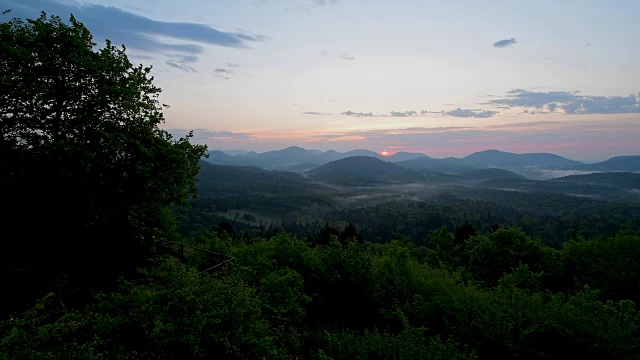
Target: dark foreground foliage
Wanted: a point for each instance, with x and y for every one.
(285, 298)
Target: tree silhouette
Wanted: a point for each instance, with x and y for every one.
(86, 174)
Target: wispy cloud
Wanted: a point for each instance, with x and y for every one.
(403, 113)
(358, 114)
(180, 66)
(223, 73)
(347, 57)
(569, 102)
(462, 113)
(470, 113)
(314, 113)
(183, 41)
(505, 43)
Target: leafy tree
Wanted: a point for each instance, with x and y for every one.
(350, 233)
(326, 233)
(495, 254)
(464, 232)
(84, 167)
(609, 265)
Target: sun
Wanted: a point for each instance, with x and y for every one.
(384, 153)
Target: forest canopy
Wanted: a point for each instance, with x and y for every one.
(85, 168)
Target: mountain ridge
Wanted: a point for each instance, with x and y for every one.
(296, 158)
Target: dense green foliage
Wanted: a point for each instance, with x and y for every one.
(86, 174)
(498, 294)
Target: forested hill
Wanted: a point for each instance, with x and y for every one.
(623, 180)
(439, 165)
(532, 165)
(502, 159)
(362, 171)
(619, 163)
(220, 179)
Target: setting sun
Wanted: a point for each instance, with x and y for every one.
(384, 153)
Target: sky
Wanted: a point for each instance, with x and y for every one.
(445, 78)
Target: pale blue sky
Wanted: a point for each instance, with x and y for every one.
(439, 77)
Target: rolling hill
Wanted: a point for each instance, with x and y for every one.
(362, 171)
(623, 180)
(489, 174)
(618, 163)
(448, 166)
(507, 160)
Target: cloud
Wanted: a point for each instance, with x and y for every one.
(223, 71)
(463, 113)
(505, 43)
(136, 31)
(427, 112)
(569, 102)
(403, 113)
(314, 113)
(347, 57)
(415, 130)
(470, 113)
(179, 66)
(358, 114)
(184, 58)
(232, 65)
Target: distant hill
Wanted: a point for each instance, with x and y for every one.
(272, 193)
(290, 154)
(489, 174)
(618, 163)
(613, 186)
(359, 152)
(291, 158)
(502, 159)
(533, 165)
(221, 158)
(362, 171)
(403, 156)
(216, 180)
(623, 180)
(449, 166)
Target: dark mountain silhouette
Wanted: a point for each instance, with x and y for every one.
(292, 158)
(291, 153)
(449, 165)
(502, 159)
(530, 165)
(220, 158)
(403, 156)
(618, 163)
(359, 152)
(229, 180)
(362, 171)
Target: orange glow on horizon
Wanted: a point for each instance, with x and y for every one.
(384, 153)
